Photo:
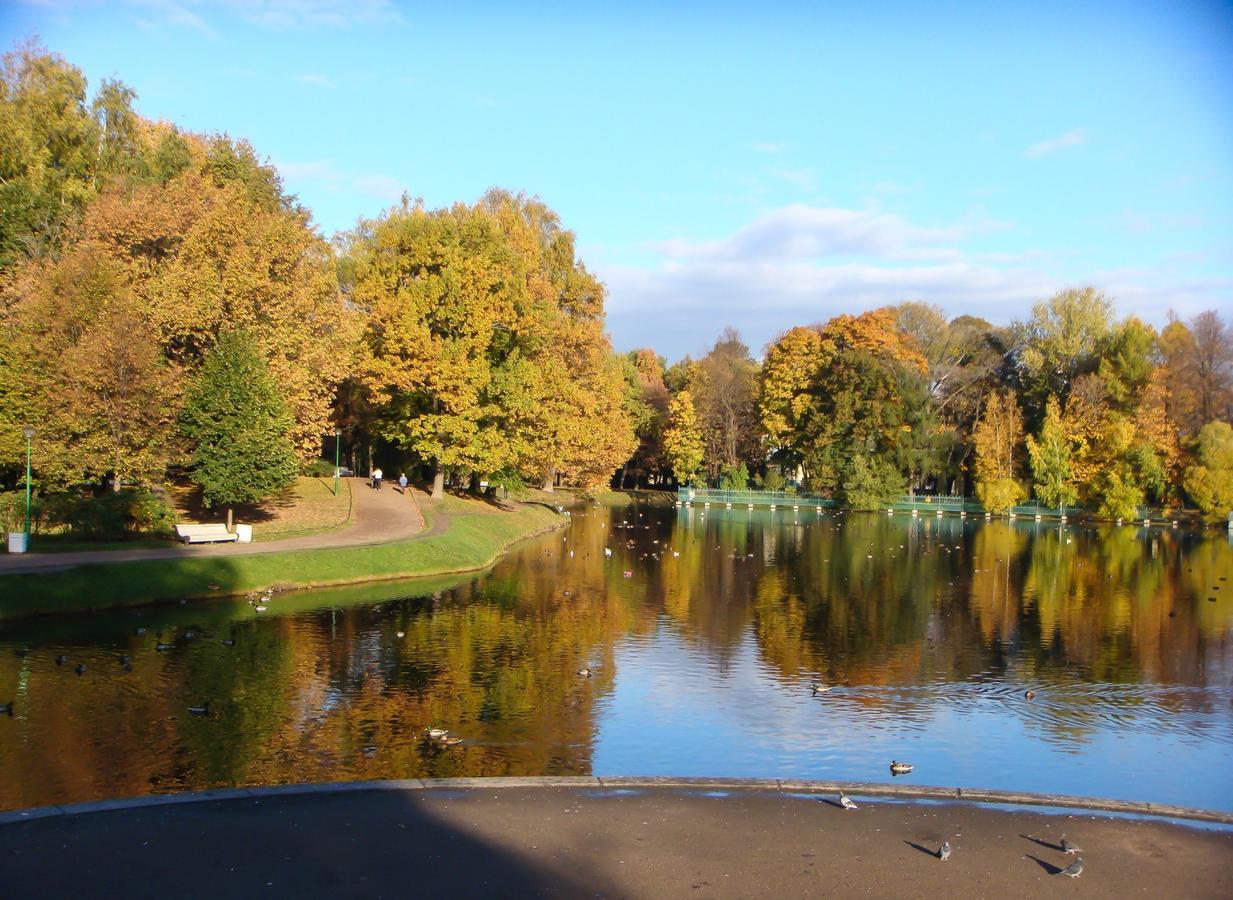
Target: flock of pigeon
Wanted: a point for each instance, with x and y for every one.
(1074, 870)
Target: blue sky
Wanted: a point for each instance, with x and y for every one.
(735, 164)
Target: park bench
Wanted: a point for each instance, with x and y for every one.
(204, 534)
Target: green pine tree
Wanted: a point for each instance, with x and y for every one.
(238, 425)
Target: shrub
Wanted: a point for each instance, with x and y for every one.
(319, 468)
(998, 495)
(13, 510)
(110, 516)
(1209, 483)
(773, 480)
(871, 483)
(734, 478)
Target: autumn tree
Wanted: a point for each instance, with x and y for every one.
(576, 425)
(725, 394)
(683, 442)
(107, 396)
(236, 421)
(1209, 482)
(785, 397)
(1049, 453)
(485, 346)
(998, 440)
(965, 358)
(1061, 341)
(434, 296)
(1197, 359)
(647, 405)
(1211, 367)
(853, 388)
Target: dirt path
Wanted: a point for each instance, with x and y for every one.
(574, 842)
(377, 517)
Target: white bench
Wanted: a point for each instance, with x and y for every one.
(204, 534)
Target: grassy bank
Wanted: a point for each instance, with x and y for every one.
(473, 539)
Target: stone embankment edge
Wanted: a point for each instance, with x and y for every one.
(785, 786)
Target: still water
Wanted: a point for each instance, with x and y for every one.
(703, 632)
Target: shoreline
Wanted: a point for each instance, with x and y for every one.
(1049, 804)
(451, 543)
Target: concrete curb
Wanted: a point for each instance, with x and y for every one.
(785, 786)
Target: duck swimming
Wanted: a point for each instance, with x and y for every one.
(900, 768)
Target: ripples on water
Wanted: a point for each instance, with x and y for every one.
(929, 630)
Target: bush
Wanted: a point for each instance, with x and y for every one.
(1119, 498)
(319, 468)
(110, 516)
(13, 510)
(1000, 494)
(734, 478)
(773, 480)
(1209, 483)
(871, 483)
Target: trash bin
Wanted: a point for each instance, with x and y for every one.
(17, 542)
(244, 533)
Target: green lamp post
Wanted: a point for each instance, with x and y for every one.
(337, 440)
(29, 433)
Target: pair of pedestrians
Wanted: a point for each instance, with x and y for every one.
(378, 475)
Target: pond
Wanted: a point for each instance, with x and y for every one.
(703, 632)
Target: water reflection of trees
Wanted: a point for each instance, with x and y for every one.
(1112, 625)
(895, 601)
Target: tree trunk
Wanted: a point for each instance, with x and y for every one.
(548, 481)
(438, 483)
(229, 512)
(474, 485)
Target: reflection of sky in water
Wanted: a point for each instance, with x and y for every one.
(930, 630)
(673, 713)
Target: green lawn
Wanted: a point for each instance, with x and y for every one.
(476, 536)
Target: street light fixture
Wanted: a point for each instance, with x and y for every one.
(337, 439)
(29, 434)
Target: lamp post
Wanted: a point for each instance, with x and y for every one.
(337, 439)
(29, 433)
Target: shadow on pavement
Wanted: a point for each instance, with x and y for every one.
(366, 843)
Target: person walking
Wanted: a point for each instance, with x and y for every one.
(402, 482)
(377, 474)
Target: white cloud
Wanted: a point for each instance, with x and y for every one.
(803, 232)
(802, 264)
(1054, 144)
(770, 146)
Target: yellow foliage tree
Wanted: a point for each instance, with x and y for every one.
(998, 441)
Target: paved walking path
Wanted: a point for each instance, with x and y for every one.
(498, 840)
(377, 517)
